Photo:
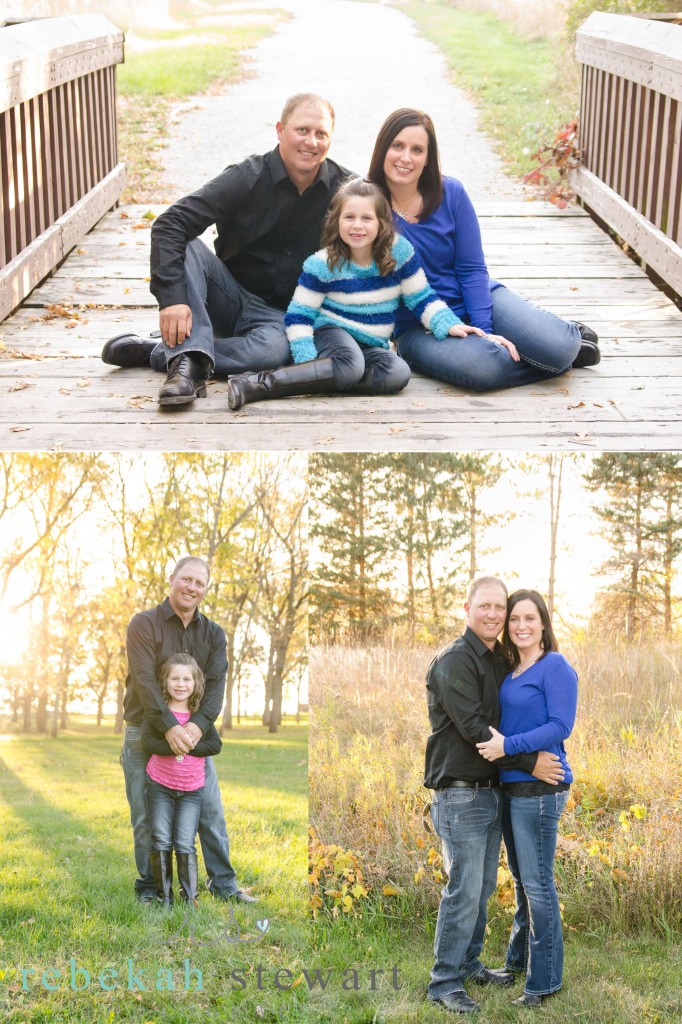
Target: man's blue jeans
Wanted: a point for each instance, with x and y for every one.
(536, 942)
(215, 845)
(547, 346)
(236, 330)
(469, 823)
(173, 816)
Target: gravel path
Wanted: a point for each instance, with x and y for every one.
(367, 59)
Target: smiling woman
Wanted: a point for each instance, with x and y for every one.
(512, 342)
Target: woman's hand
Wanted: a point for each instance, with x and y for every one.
(504, 343)
(494, 748)
(461, 331)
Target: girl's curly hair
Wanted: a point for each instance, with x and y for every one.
(337, 250)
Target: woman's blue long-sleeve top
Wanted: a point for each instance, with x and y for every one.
(538, 712)
(449, 247)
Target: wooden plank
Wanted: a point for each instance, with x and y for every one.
(22, 274)
(39, 55)
(632, 399)
(645, 52)
(661, 253)
(463, 435)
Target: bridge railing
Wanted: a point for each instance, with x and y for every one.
(59, 168)
(631, 134)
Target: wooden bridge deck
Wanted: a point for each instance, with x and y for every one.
(57, 394)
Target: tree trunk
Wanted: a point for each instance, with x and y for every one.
(27, 708)
(41, 713)
(118, 724)
(64, 714)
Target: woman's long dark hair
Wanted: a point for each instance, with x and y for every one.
(547, 641)
(430, 182)
(337, 250)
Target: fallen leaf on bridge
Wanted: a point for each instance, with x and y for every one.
(64, 391)
(83, 383)
(18, 430)
(21, 385)
(580, 405)
(14, 353)
(137, 401)
(324, 440)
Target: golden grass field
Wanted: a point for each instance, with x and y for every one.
(620, 847)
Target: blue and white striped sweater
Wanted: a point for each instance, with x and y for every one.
(362, 301)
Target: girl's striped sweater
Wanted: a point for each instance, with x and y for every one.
(362, 301)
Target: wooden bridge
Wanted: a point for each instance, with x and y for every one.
(57, 394)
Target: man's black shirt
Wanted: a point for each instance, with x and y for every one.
(265, 228)
(462, 686)
(153, 637)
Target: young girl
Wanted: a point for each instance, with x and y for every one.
(176, 782)
(342, 315)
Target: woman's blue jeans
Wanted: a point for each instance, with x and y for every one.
(546, 343)
(174, 817)
(468, 821)
(536, 943)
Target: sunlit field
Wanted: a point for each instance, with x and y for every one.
(66, 862)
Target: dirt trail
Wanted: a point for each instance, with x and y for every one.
(367, 59)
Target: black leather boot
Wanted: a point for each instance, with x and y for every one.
(588, 354)
(309, 378)
(128, 350)
(186, 380)
(162, 872)
(188, 877)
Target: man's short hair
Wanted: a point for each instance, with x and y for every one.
(305, 97)
(191, 558)
(483, 581)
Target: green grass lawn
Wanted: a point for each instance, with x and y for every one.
(520, 86)
(608, 978)
(67, 868)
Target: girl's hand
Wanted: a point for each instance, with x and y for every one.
(494, 748)
(509, 345)
(461, 331)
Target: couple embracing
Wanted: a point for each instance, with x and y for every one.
(401, 264)
(495, 759)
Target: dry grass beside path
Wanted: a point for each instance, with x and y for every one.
(203, 51)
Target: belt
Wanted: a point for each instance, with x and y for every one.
(461, 784)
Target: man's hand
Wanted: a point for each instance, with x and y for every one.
(179, 740)
(194, 732)
(175, 323)
(548, 768)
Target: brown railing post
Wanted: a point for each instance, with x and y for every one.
(59, 168)
(631, 134)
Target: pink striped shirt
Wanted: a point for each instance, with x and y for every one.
(182, 772)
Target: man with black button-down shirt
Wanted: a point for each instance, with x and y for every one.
(224, 312)
(463, 683)
(153, 636)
